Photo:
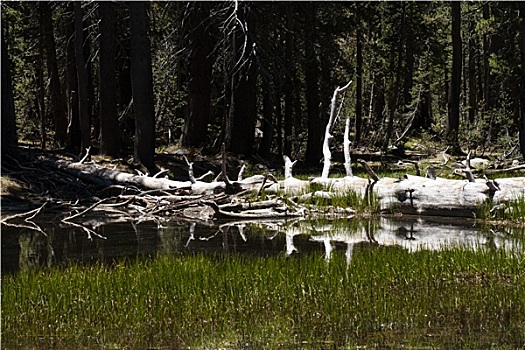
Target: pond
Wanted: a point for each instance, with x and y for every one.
(61, 245)
(388, 282)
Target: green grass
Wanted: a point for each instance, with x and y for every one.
(386, 297)
(511, 212)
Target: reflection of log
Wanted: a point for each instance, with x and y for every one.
(274, 211)
(413, 235)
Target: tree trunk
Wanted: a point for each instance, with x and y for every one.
(9, 136)
(40, 86)
(82, 80)
(472, 101)
(240, 126)
(279, 121)
(394, 97)
(267, 123)
(57, 98)
(377, 97)
(425, 115)
(142, 86)
(455, 81)
(73, 128)
(487, 103)
(123, 66)
(409, 58)
(110, 139)
(200, 76)
(522, 94)
(315, 126)
(359, 81)
(288, 84)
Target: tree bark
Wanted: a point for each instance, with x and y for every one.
(455, 81)
(522, 78)
(73, 128)
(472, 101)
(359, 81)
(57, 98)
(394, 97)
(267, 123)
(9, 133)
(40, 86)
(409, 57)
(142, 86)
(289, 76)
(240, 124)
(110, 139)
(82, 80)
(315, 127)
(200, 76)
(487, 101)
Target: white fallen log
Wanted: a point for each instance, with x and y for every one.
(117, 176)
(509, 189)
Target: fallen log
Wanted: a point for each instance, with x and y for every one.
(117, 176)
(409, 194)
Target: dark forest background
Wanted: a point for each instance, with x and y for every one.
(132, 78)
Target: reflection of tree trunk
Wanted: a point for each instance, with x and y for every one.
(33, 251)
(82, 80)
(109, 127)
(522, 93)
(57, 98)
(315, 127)
(142, 86)
(170, 239)
(455, 81)
(200, 72)
(9, 137)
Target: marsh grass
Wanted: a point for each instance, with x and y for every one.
(386, 296)
(511, 212)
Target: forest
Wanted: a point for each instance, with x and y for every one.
(144, 202)
(133, 78)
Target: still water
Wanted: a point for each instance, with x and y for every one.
(60, 244)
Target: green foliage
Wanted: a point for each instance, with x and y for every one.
(512, 212)
(422, 28)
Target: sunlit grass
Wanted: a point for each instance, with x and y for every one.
(386, 296)
(511, 212)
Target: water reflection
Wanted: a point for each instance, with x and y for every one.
(29, 249)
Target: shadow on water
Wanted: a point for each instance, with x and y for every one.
(23, 248)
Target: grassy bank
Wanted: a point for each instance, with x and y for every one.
(386, 297)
